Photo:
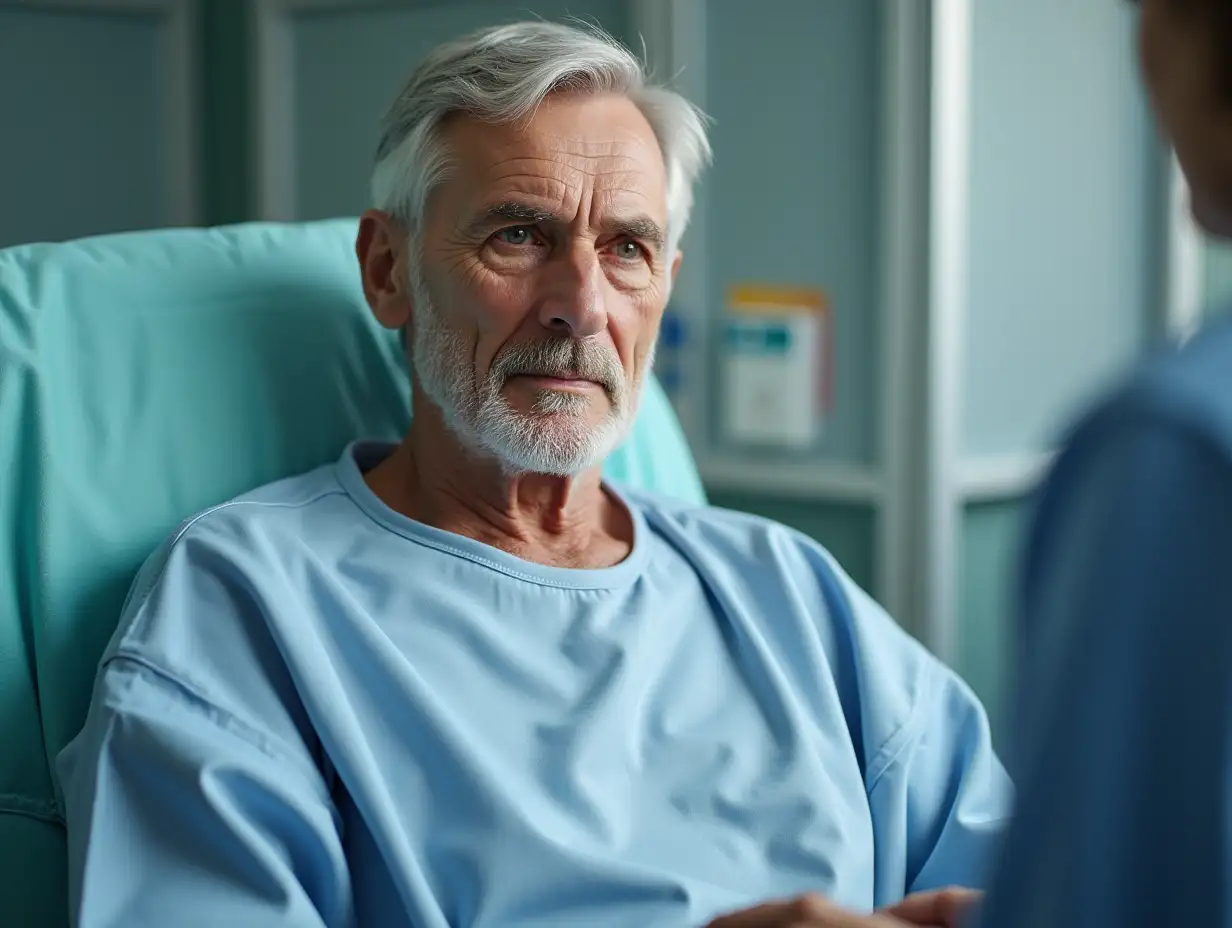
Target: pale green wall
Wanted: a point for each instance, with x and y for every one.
(1218, 278)
(991, 543)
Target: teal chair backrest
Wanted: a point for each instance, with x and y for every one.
(144, 377)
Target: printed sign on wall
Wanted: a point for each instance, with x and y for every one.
(776, 366)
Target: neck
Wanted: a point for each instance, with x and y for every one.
(560, 521)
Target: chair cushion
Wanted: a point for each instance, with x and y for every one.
(147, 376)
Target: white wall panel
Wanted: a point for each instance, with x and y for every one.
(1066, 212)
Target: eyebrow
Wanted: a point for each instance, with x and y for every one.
(638, 227)
(511, 211)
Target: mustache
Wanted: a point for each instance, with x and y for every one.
(561, 357)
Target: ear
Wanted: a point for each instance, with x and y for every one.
(676, 265)
(381, 247)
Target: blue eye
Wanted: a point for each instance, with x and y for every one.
(515, 235)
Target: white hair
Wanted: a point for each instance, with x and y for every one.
(502, 74)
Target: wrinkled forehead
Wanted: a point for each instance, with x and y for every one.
(595, 150)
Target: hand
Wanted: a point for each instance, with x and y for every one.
(939, 908)
(811, 911)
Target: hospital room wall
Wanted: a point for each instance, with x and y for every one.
(792, 200)
(1063, 274)
(226, 111)
(1061, 262)
(1218, 279)
(89, 139)
(991, 543)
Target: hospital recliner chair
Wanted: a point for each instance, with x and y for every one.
(144, 377)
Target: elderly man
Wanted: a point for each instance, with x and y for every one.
(462, 681)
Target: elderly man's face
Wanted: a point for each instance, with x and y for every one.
(543, 279)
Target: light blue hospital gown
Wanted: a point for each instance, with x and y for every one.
(319, 712)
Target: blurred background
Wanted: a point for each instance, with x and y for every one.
(933, 228)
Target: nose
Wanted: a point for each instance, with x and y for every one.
(574, 304)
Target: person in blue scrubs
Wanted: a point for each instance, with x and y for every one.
(460, 680)
(1122, 764)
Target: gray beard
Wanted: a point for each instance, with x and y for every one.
(556, 437)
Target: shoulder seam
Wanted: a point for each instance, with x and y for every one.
(140, 590)
(317, 497)
(219, 716)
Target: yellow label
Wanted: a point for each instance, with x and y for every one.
(758, 299)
